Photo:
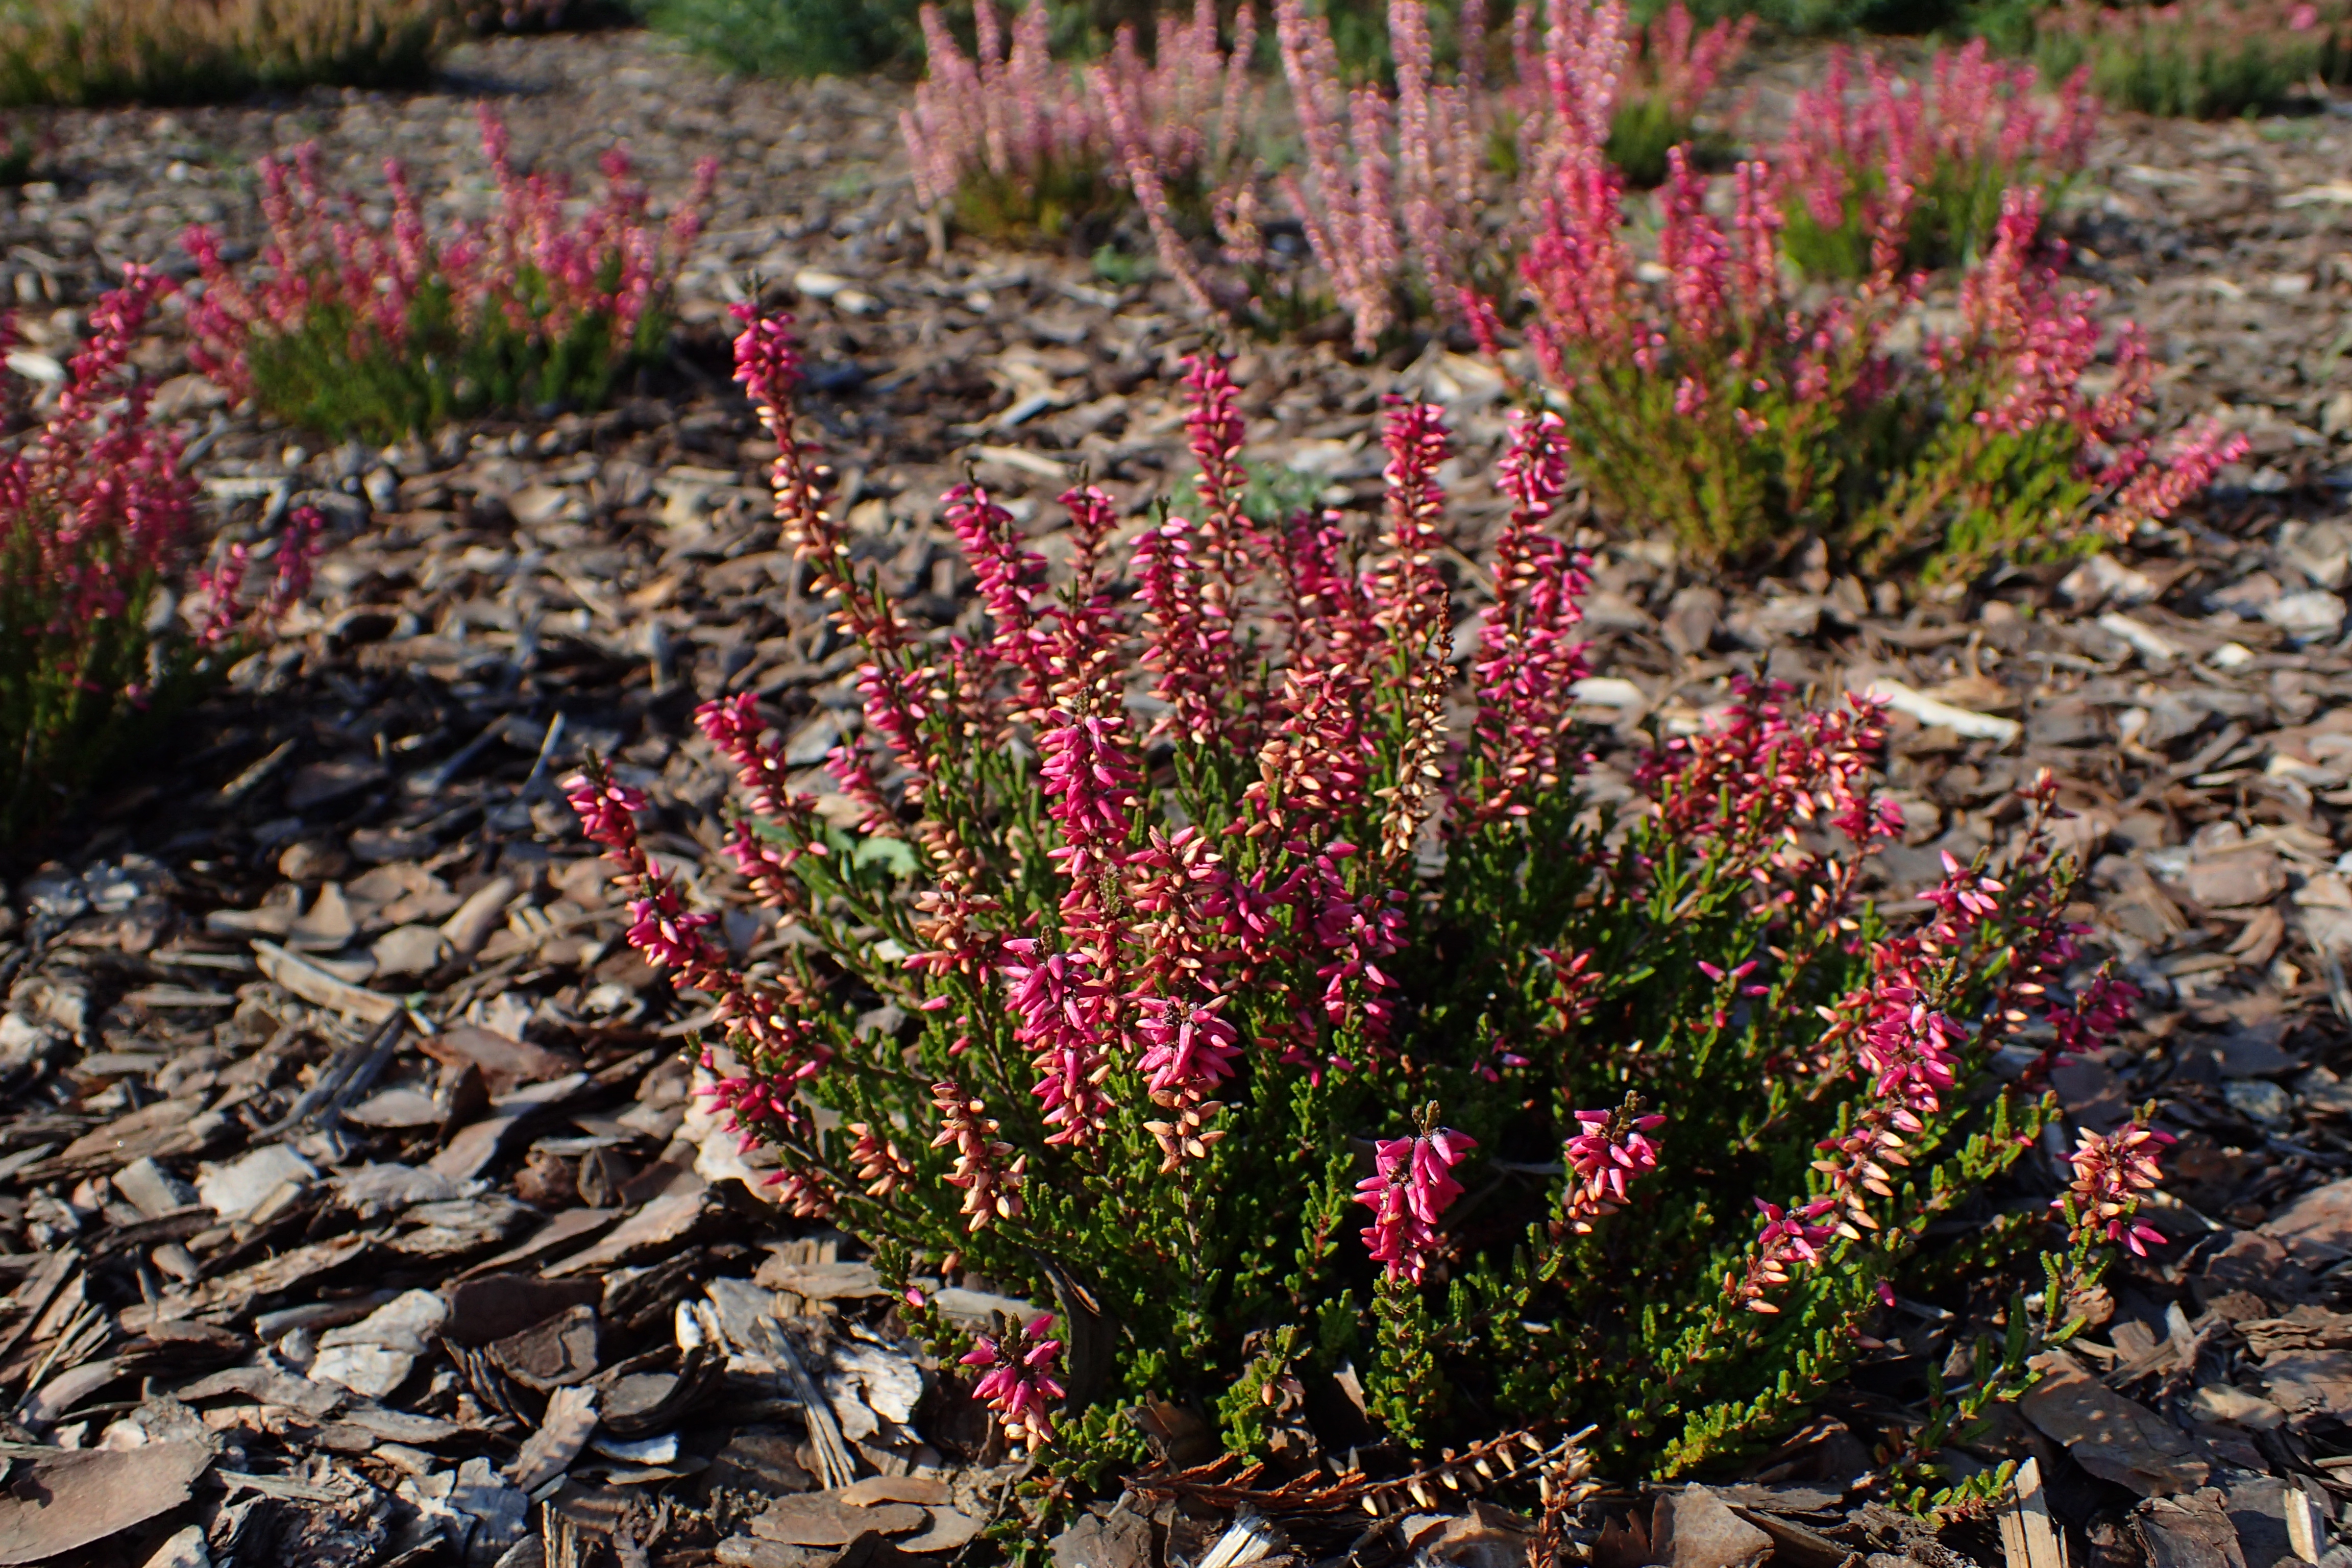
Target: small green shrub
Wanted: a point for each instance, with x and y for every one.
(98, 552)
(383, 332)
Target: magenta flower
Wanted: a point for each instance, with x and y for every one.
(1018, 1383)
(1413, 1186)
(1789, 1239)
(1609, 1153)
(1190, 1049)
(2111, 1171)
(607, 811)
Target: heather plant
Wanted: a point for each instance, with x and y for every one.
(1392, 188)
(1227, 965)
(108, 623)
(357, 328)
(1019, 147)
(1946, 150)
(2202, 58)
(1648, 81)
(1740, 417)
(177, 51)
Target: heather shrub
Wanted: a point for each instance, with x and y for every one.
(1952, 146)
(1020, 148)
(356, 328)
(107, 624)
(1223, 966)
(1670, 68)
(1742, 418)
(182, 51)
(2202, 58)
(1391, 187)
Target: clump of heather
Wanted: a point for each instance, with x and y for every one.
(110, 623)
(1944, 151)
(1716, 405)
(1254, 988)
(2202, 59)
(1019, 147)
(351, 327)
(1392, 194)
(91, 52)
(1593, 67)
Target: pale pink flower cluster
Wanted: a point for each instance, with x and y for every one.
(1411, 1187)
(1392, 181)
(1012, 114)
(990, 1184)
(1391, 193)
(1017, 1381)
(1589, 61)
(2112, 1170)
(1007, 110)
(1187, 119)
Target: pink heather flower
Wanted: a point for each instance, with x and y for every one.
(991, 1189)
(1787, 1240)
(1528, 659)
(607, 811)
(2111, 1171)
(1011, 582)
(1761, 773)
(2100, 1009)
(763, 1017)
(881, 1169)
(1608, 1153)
(1018, 1384)
(668, 933)
(2156, 493)
(1412, 1187)
(1190, 1047)
(1062, 1011)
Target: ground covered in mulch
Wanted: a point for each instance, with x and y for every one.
(355, 1204)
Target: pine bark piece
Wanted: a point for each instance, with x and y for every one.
(2190, 1531)
(570, 1421)
(828, 1518)
(61, 1502)
(1695, 1529)
(2109, 1435)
